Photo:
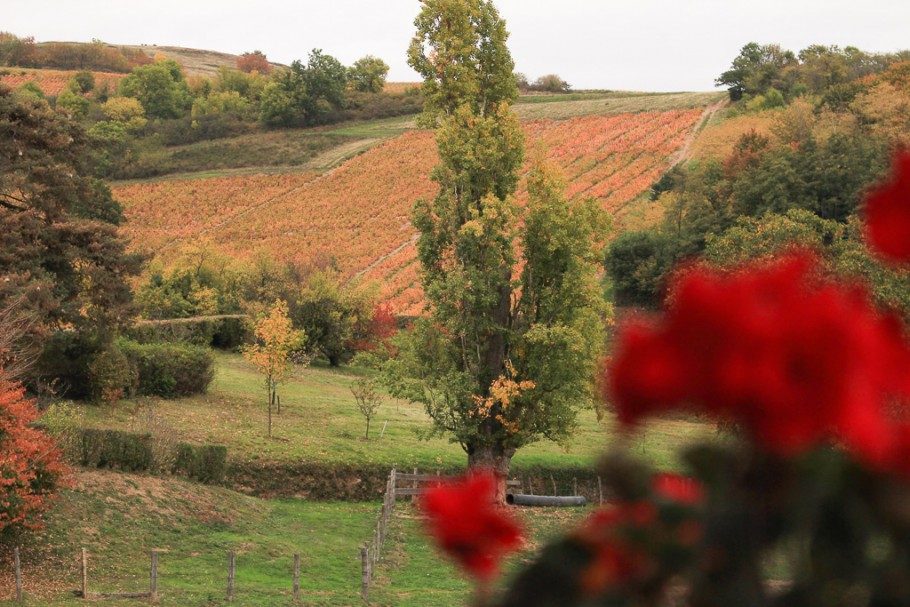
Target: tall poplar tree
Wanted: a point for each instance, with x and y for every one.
(507, 351)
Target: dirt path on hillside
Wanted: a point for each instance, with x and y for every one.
(382, 258)
(685, 152)
(337, 155)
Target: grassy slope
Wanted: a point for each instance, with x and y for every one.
(319, 423)
(119, 518)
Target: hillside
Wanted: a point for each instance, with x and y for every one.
(195, 62)
(358, 212)
(118, 518)
(319, 424)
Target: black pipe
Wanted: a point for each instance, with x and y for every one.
(518, 499)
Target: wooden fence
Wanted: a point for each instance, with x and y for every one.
(371, 551)
(151, 594)
(398, 485)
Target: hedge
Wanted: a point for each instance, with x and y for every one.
(133, 452)
(203, 463)
(170, 370)
(222, 333)
(127, 451)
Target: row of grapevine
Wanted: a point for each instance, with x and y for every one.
(359, 214)
(52, 82)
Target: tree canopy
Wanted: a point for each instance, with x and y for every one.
(60, 252)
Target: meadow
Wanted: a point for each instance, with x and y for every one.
(119, 518)
(320, 423)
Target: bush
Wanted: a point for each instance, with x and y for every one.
(117, 450)
(222, 333)
(111, 377)
(203, 463)
(31, 464)
(138, 452)
(170, 370)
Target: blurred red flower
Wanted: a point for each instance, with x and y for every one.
(888, 214)
(469, 526)
(678, 488)
(773, 348)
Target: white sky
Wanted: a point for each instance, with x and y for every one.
(658, 45)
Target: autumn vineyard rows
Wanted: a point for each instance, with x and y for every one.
(359, 213)
(52, 82)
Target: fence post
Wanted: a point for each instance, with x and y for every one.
(153, 577)
(382, 522)
(84, 574)
(415, 485)
(297, 577)
(574, 485)
(553, 480)
(394, 476)
(232, 567)
(600, 492)
(365, 574)
(18, 566)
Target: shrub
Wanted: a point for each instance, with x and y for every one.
(222, 333)
(170, 370)
(64, 421)
(117, 450)
(204, 463)
(31, 466)
(111, 377)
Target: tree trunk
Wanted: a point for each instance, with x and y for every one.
(367, 435)
(497, 460)
(271, 400)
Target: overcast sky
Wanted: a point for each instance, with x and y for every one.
(658, 45)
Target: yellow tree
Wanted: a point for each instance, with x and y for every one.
(271, 354)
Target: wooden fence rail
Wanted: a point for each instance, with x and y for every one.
(370, 552)
(152, 594)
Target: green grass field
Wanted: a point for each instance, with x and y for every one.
(119, 518)
(319, 423)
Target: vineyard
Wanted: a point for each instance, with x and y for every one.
(52, 82)
(359, 213)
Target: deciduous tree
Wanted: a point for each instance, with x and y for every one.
(255, 61)
(276, 341)
(368, 74)
(368, 400)
(500, 361)
(31, 465)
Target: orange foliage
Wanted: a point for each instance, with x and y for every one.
(31, 465)
(254, 62)
(360, 213)
(718, 140)
(52, 82)
(164, 212)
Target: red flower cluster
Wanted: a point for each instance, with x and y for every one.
(888, 214)
(469, 526)
(790, 358)
(678, 488)
(622, 537)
